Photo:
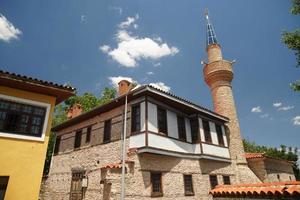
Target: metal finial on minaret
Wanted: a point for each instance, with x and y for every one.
(211, 37)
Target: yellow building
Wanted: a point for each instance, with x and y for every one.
(26, 108)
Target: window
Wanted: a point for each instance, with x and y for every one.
(206, 131)
(135, 119)
(78, 136)
(181, 128)
(3, 186)
(162, 120)
(195, 129)
(220, 135)
(21, 119)
(57, 144)
(107, 131)
(88, 134)
(156, 184)
(213, 181)
(188, 185)
(226, 180)
(76, 192)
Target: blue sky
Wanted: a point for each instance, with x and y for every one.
(90, 43)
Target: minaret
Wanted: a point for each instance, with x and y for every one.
(218, 75)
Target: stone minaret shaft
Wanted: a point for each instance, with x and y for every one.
(218, 75)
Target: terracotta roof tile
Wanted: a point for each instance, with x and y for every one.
(116, 165)
(274, 188)
(254, 155)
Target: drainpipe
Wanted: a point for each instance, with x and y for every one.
(123, 151)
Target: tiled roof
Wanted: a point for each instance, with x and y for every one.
(34, 80)
(254, 155)
(290, 188)
(116, 165)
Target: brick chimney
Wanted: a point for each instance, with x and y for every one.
(124, 87)
(74, 111)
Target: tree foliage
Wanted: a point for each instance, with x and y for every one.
(88, 101)
(285, 153)
(292, 40)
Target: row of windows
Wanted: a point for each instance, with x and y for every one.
(213, 179)
(163, 126)
(78, 136)
(156, 182)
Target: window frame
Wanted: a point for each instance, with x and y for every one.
(212, 186)
(181, 128)
(206, 131)
(220, 137)
(133, 116)
(88, 134)
(188, 193)
(194, 123)
(164, 132)
(160, 193)
(109, 132)
(78, 132)
(226, 182)
(47, 106)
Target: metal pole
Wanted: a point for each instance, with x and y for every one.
(124, 152)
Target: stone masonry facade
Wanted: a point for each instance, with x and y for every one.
(105, 183)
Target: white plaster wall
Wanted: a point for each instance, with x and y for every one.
(213, 133)
(224, 137)
(136, 141)
(172, 124)
(201, 130)
(215, 150)
(170, 144)
(152, 117)
(188, 130)
(143, 116)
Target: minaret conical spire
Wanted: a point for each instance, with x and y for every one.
(211, 37)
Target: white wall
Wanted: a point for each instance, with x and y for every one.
(172, 124)
(188, 130)
(224, 137)
(213, 133)
(170, 144)
(152, 117)
(215, 150)
(136, 141)
(201, 130)
(143, 116)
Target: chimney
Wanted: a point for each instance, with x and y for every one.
(74, 111)
(124, 87)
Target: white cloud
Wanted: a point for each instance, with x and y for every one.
(277, 104)
(150, 73)
(7, 30)
(130, 49)
(256, 109)
(114, 80)
(157, 64)
(161, 86)
(104, 48)
(296, 120)
(128, 22)
(285, 108)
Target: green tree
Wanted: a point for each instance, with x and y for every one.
(284, 153)
(88, 101)
(292, 40)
